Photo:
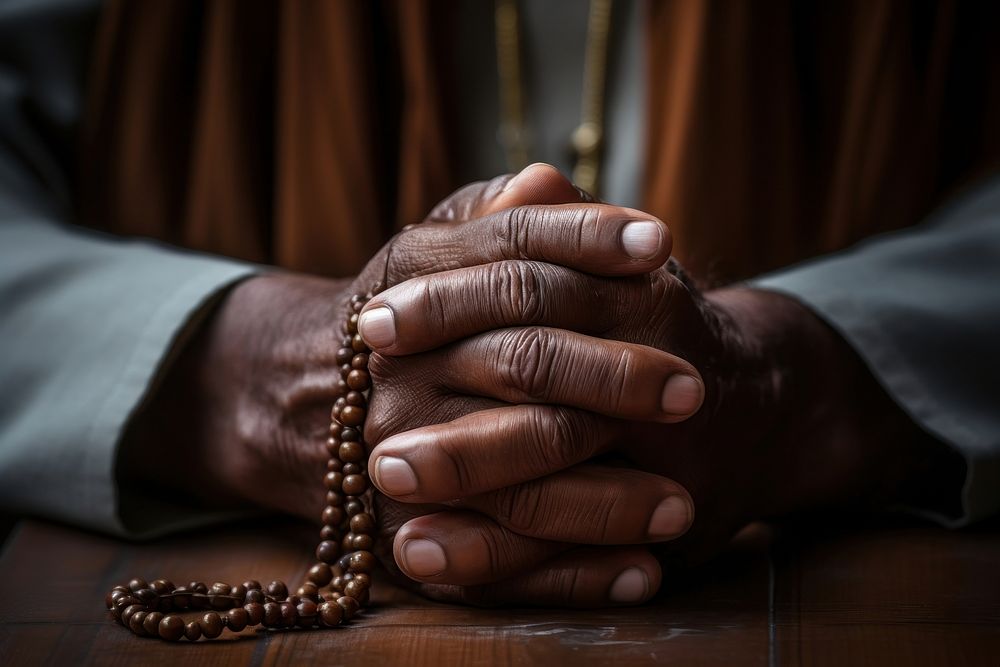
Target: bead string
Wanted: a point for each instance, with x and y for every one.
(336, 587)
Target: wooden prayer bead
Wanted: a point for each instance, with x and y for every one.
(360, 362)
(344, 355)
(211, 625)
(363, 542)
(151, 624)
(350, 435)
(252, 585)
(277, 590)
(349, 605)
(352, 415)
(351, 452)
(171, 628)
(319, 575)
(330, 613)
(137, 584)
(272, 615)
(332, 516)
(355, 588)
(358, 344)
(362, 561)
(351, 469)
(333, 481)
(353, 506)
(237, 619)
(327, 551)
(358, 380)
(329, 533)
(192, 631)
(255, 613)
(162, 586)
(288, 614)
(135, 623)
(362, 523)
(306, 610)
(254, 596)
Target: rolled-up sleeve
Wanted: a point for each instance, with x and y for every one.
(922, 308)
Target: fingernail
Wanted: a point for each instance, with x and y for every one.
(642, 239)
(670, 518)
(377, 327)
(630, 586)
(423, 558)
(682, 395)
(395, 476)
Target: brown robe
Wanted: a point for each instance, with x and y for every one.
(305, 133)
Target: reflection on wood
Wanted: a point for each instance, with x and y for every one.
(907, 595)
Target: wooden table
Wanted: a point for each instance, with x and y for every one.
(903, 594)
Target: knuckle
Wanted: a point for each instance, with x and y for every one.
(524, 362)
(559, 438)
(433, 304)
(511, 231)
(618, 379)
(518, 287)
(499, 550)
(520, 507)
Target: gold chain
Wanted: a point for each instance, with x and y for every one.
(588, 138)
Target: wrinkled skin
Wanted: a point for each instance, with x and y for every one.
(523, 386)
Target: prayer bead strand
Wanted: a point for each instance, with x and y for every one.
(336, 587)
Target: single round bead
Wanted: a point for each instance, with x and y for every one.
(362, 561)
(137, 585)
(333, 480)
(192, 631)
(352, 415)
(277, 589)
(198, 587)
(129, 612)
(237, 619)
(211, 625)
(171, 628)
(255, 613)
(124, 603)
(306, 611)
(254, 596)
(352, 323)
(332, 516)
(355, 588)
(351, 468)
(146, 595)
(345, 369)
(353, 506)
(342, 387)
(162, 586)
(327, 551)
(238, 591)
(358, 344)
(135, 623)
(151, 624)
(358, 380)
(333, 449)
(308, 590)
(329, 533)
(220, 588)
(344, 355)
(365, 579)
(349, 605)
(252, 585)
(359, 362)
(365, 542)
(330, 613)
(334, 498)
(362, 523)
(319, 575)
(346, 545)
(272, 615)
(288, 614)
(350, 452)
(350, 435)
(356, 398)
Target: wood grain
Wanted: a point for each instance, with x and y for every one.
(883, 595)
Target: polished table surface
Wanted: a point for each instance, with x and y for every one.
(886, 594)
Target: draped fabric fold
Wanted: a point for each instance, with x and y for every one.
(305, 133)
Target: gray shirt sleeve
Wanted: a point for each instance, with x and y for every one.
(922, 308)
(86, 320)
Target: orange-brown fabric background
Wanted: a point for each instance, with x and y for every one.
(305, 133)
